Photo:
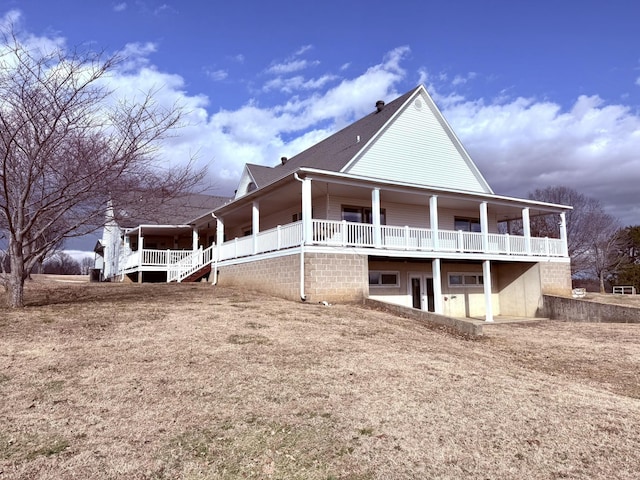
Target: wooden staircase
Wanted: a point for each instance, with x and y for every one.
(198, 274)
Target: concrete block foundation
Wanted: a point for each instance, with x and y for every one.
(331, 277)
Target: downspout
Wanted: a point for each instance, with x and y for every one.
(303, 297)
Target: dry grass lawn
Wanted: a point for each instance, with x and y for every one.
(111, 381)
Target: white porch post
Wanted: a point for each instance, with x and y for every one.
(433, 219)
(194, 239)
(307, 224)
(194, 247)
(255, 224)
(437, 286)
(526, 228)
(563, 234)
(484, 226)
(375, 212)
(486, 273)
(140, 254)
(219, 232)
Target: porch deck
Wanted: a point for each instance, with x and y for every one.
(390, 238)
(380, 240)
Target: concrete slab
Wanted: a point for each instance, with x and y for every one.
(500, 320)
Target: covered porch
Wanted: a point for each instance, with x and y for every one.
(153, 251)
(331, 209)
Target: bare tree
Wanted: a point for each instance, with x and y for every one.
(62, 263)
(86, 264)
(66, 148)
(587, 224)
(605, 258)
(628, 269)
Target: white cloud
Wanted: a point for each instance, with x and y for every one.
(462, 79)
(120, 7)
(289, 85)
(291, 66)
(136, 55)
(12, 17)
(525, 144)
(303, 49)
(293, 63)
(164, 9)
(262, 134)
(216, 75)
(12, 24)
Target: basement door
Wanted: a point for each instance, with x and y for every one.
(421, 286)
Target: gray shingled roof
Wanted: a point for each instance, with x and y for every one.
(334, 152)
(174, 211)
(263, 175)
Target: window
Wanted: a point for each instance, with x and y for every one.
(466, 280)
(361, 215)
(297, 217)
(384, 279)
(466, 224)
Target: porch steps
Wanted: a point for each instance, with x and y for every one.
(198, 274)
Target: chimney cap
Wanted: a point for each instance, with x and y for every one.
(379, 105)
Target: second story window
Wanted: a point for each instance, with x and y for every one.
(466, 224)
(361, 215)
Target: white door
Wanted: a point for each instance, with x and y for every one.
(421, 291)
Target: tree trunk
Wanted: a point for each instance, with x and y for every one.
(602, 282)
(16, 276)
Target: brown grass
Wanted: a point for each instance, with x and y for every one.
(624, 300)
(198, 382)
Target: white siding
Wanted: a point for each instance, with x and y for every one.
(406, 215)
(285, 216)
(243, 185)
(281, 218)
(417, 148)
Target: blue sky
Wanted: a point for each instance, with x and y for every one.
(540, 93)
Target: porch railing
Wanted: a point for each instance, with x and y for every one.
(189, 264)
(283, 236)
(181, 263)
(350, 234)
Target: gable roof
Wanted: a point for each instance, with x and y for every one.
(262, 175)
(418, 146)
(336, 151)
(426, 143)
